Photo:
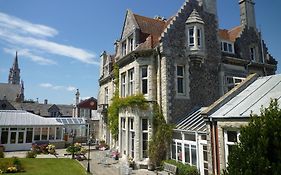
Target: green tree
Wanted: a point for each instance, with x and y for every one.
(259, 149)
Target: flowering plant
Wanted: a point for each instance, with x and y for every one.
(75, 149)
(12, 169)
(1, 172)
(51, 149)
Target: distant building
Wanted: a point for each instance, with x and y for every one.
(14, 89)
(183, 63)
(87, 109)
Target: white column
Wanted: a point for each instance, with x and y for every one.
(127, 135)
(48, 133)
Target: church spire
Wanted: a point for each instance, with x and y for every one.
(14, 75)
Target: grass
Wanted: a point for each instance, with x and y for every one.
(49, 167)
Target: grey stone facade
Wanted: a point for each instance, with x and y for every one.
(187, 67)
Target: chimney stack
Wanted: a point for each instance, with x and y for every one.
(247, 13)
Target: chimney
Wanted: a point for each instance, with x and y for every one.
(45, 101)
(77, 96)
(247, 13)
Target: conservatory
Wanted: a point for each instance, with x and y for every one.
(189, 144)
(19, 129)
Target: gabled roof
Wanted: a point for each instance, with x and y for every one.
(250, 99)
(23, 118)
(230, 35)
(90, 103)
(150, 25)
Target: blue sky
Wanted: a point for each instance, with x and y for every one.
(59, 42)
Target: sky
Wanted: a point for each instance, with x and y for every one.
(59, 42)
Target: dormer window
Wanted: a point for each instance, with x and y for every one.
(253, 54)
(227, 47)
(191, 37)
(195, 36)
(124, 48)
(131, 43)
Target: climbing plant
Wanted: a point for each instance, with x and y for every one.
(161, 137)
(137, 101)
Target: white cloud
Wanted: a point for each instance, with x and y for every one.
(71, 88)
(46, 85)
(31, 36)
(22, 26)
(28, 54)
(56, 87)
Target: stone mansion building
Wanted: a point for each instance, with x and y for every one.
(182, 63)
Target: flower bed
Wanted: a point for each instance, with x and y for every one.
(13, 165)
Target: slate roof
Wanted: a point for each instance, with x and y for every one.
(251, 98)
(42, 109)
(230, 35)
(10, 91)
(23, 118)
(192, 122)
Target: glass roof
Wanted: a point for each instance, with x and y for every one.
(71, 121)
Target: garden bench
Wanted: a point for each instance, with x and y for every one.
(168, 169)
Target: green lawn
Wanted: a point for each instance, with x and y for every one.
(50, 167)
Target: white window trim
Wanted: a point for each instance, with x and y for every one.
(227, 143)
(144, 131)
(131, 81)
(144, 78)
(191, 36)
(123, 85)
(228, 43)
(181, 143)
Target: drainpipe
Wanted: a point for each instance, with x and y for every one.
(217, 148)
(213, 146)
(159, 72)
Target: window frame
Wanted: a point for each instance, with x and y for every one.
(229, 143)
(123, 85)
(131, 81)
(191, 37)
(144, 79)
(180, 77)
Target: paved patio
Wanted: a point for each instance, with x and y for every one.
(100, 163)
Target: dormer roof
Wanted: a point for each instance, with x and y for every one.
(230, 35)
(194, 17)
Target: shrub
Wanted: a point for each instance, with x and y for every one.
(31, 154)
(2, 155)
(17, 163)
(183, 169)
(74, 149)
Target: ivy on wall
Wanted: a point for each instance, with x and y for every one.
(134, 101)
(161, 138)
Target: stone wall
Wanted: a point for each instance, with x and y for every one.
(203, 79)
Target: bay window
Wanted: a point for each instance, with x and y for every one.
(144, 79)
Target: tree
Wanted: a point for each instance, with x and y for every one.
(259, 149)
